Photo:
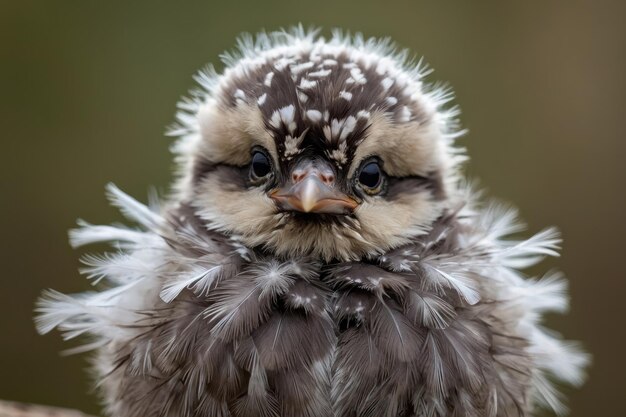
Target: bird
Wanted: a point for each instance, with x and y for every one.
(321, 253)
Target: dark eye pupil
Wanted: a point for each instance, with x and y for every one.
(260, 165)
(370, 175)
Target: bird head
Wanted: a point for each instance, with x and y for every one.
(334, 149)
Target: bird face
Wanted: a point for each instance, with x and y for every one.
(317, 149)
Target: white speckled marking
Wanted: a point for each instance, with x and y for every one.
(320, 74)
(268, 79)
(297, 69)
(286, 116)
(358, 76)
(392, 101)
(314, 115)
(261, 100)
(282, 63)
(240, 94)
(383, 66)
(339, 129)
(386, 83)
(405, 116)
(339, 154)
(315, 57)
(345, 95)
(292, 144)
(307, 84)
(348, 127)
(363, 114)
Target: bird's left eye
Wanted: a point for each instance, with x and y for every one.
(371, 177)
(260, 166)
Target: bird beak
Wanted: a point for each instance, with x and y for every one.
(312, 190)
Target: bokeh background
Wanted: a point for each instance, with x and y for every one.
(87, 89)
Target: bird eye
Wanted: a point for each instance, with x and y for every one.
(371, 177)
(260, 166)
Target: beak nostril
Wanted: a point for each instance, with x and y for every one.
(327, 179)
(298, 175)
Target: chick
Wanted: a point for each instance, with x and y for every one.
(320, 255)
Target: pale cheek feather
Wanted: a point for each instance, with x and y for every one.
(406, 150)
(247, 212)
(389, 224)
(227, 136)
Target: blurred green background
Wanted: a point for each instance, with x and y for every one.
(87, 89)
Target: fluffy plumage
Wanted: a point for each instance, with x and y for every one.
(221, 304)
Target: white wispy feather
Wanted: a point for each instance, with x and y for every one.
(546, 294)
(99, 313)
(456, 279)
(498, 221)
(133, 209)
(563, 359)
(88, 234)
(523, 254)
(433, 311)
(79, 314)
(119, 267)
(274, 277)
(199, 281)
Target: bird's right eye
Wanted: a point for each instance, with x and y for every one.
(260, 166)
